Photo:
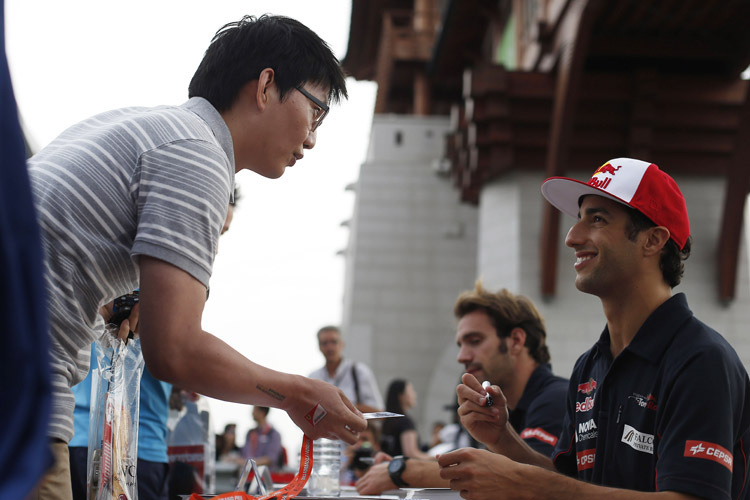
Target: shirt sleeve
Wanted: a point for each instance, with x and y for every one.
(544, 419)
(182, 195)
(702, 415)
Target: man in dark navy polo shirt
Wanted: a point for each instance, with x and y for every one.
(502, 339)
(661, 404)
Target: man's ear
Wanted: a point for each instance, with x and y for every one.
(517, 340)
(656, 238)
(266, 80)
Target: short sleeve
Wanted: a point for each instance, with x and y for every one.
(544, 419)
(701, 418)
(182, 193)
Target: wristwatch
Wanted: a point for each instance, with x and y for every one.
(396, 467)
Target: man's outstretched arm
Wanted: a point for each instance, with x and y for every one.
(177, 350)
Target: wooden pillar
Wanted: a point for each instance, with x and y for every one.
(738, 186)
(575, 34)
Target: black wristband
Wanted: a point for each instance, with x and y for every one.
(396, 468)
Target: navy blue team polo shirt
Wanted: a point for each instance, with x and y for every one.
(671, 412)
(538, 416)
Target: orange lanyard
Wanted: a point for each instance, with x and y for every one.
(289, 491)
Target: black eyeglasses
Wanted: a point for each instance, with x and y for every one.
(320, 112)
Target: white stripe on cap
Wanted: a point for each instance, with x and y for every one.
(623, 183)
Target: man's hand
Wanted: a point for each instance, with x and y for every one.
(130, 324)
(482, 475)
(485, 423)
(322, 410)
(376, 480)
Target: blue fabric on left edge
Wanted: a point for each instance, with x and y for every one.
(24, 340)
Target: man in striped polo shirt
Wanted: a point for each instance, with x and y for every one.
(138, 196)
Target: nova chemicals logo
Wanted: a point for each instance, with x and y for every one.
(586, 431)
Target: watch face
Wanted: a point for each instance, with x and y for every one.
(396, 465)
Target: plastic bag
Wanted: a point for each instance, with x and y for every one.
(113, 418)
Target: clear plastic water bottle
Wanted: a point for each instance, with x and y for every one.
(325, 477)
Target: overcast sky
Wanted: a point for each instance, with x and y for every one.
(277, 277)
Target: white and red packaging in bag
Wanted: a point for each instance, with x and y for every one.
(113, 419)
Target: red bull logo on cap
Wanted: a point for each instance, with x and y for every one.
(607, 168)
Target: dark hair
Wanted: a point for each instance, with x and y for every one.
(241, 50)
(672, 259)
(506, 312)
(329, 328)
(263, 409)
(392, 401)
(393, 404)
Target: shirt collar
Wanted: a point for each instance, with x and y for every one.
(656, 333)
(211, 116)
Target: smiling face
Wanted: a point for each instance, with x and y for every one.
(606, 260)
(481, 351)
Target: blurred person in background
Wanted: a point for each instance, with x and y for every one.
(399, 436)
(354, 378)
(226, 445)
(263, 442)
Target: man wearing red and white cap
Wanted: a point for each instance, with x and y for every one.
(660, 405)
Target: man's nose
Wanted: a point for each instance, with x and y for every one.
(574, 235)
(464, 355)
(311, 139)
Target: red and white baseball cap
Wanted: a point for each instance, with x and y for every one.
(635, 183)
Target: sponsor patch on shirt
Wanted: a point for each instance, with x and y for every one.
(639, 441)
(709, 451)
(585, 405)
(648, 401)
(588, 387)
(540, 434)
(585, 459)
(586, 431)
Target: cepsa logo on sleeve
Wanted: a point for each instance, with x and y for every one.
(709, 451)
(585, 459)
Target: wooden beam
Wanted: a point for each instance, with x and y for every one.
(575, 32)
(641, 131)
(738, 186)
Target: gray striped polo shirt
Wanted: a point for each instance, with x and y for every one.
(134, 181)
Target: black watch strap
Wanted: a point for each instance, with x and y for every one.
(396, 469)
